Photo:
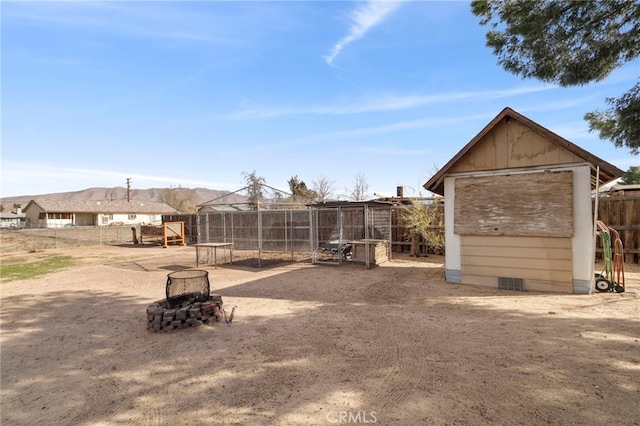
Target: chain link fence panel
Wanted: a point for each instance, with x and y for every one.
(36, 239)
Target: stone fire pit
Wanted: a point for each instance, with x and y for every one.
(188, 303)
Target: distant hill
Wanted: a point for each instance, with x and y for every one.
(120, 193)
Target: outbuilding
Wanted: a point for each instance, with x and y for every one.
(518, 208)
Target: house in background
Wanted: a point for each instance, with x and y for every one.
(518, 212)
(13, 220)
(42, 213)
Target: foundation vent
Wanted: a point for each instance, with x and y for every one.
(512, 284)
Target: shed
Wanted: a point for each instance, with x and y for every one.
(518, 212)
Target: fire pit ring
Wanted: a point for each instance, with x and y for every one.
(191, 285)
(188, 303)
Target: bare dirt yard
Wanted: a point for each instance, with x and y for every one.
(312, 345)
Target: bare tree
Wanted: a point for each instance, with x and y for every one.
(255, 185)
(360, 189)
(323, 188)
(182, 199)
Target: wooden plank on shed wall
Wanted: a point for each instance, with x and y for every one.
(528, 148)
(479, 280)
(523, 252)
(511, 144)
(518, 262)
(527, 274)
(531, 204)
(535, 259)
(489, 153)
(507, 241)
(548, 286)
(529, 285)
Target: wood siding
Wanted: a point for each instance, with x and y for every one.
(622, 213)
(511, 145)
(531, 204)
(544, 263)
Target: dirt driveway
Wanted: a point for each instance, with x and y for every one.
(313, 345)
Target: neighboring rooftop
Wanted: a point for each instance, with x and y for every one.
(102, 206)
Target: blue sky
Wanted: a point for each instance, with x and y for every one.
(193, 94)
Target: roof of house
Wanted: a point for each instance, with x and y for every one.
(12, 215)
(607, 171)
(621, 187)
(101, 206)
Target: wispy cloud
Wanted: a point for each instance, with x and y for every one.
(406, 125)
(167, 21)
(381, 103)
(19, 175)
(363, 18)
(369, 132)
(384, 151)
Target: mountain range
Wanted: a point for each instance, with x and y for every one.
(120, 193)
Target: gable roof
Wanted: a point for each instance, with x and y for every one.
(608, 172)
(12, 215)
(101, 206)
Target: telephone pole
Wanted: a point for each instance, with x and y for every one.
(128, 190)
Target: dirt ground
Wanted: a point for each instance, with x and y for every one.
(312, 345)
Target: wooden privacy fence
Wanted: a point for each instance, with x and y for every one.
(400, 238)
(622, 213)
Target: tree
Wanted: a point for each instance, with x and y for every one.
(422, 221)
(631, 176)
(255, 191)
(571, 43)
(323, 188)
(360, 189)
(619, 123)
(182, 199)
(299, 190)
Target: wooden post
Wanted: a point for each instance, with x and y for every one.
(415, 245)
